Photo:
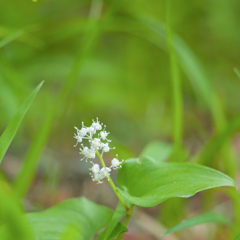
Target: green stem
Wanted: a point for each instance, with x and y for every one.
(176, 82)
(126, 221)
(112, 183)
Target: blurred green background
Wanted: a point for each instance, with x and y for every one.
(108, 59)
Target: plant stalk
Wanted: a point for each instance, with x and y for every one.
(112, 183)
(176, 82)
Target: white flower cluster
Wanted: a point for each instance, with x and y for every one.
(96, 145)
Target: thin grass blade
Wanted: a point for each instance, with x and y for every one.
(12, 127)
(210, 217)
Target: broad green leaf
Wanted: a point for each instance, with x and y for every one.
(70, 234)
(157, 150)
(10, 131)
(81, 214)
(237, 237)
(147, 182)
(210, 217)
(117, 216)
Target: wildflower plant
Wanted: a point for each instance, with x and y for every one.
(145, 181)
(98, 146)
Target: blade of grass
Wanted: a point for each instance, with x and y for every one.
(218, 141)
(175, 80)
(235, 197)
(236, 70)
(10, 131)
(11, 38)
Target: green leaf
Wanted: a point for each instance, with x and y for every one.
(70, 234)
(157, 150)
(12, 127)
(81, 214)
(112, 227)
(210, 217)
(237, 237)
(118, 229)
(147, 182)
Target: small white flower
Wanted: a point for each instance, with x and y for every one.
(105, 172)
(91, 154)
(82, 132)
(96, 143)
(84, 151)
(95, 173)
(79, 139)
(96, 177)
(88, 153)
(103, 135)
(116, 163)
(95, 168)
(91, 131)
(80, 135)
(105, 147)
(96, 125)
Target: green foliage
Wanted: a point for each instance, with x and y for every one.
(237, 237)
(118, 229)
(13, 222)
(194, 70)
(115, 227)
(70, 234)
(110, 59)
(10, 131)
(218, 140)
(93, 32)
(157, 150)
(81, 214)
(147, 182)
(210, 217)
